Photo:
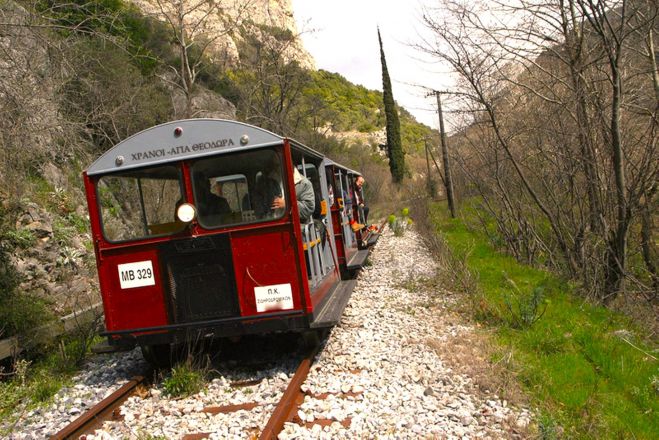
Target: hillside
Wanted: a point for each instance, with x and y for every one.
(79, 77)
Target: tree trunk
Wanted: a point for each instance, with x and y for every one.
(617, 245)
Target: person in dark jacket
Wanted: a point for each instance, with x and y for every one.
(359, 197)
(220, 204)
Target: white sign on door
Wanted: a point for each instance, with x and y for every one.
(275, 297)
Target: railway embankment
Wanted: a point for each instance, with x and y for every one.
(387, 370)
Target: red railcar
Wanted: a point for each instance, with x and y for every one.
(188, 244)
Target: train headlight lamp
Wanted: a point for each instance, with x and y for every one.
(186, 212)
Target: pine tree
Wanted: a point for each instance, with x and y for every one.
(394, 146)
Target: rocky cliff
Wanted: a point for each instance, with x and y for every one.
(220, 22)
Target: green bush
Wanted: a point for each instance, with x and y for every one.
(400, 224)
(391, 219)
(184, 381)
(19, 238)
(525, 309)
(34, 382)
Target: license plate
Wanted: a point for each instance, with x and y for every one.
(138, 274)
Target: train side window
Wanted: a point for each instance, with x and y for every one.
(140, 203)
(311, 173)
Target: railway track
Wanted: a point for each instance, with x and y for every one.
(285, 411)
(109, 408)
(106, 409)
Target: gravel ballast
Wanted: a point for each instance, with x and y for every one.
(376, 377)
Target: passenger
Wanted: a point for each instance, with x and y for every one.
(359, 197)
(306, 200)
(268, 189)
(222, 205)
(361, 207)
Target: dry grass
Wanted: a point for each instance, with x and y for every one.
(471, 353)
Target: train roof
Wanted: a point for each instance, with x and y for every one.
(184, 140)
(328, 161)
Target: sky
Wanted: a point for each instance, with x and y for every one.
(341, 35)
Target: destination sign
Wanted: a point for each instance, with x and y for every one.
(157, 153)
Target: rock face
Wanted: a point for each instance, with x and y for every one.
(205, 104)
(217, 22)
(56, 266)
(24, 70)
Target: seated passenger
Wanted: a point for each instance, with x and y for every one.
(268, 195)
(222, 205)
(304, 194)
(207, 202)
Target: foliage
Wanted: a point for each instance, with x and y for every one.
(34, 381)
(185, 380)
(20, 238)
(583, 364)
(18, 310)
(400, 224)
(112, 99)
(394, 145)
(345, 105)
(525, 309)
(270, 85)
(348, 107)
(117, 21)
(413, 133)
(557, 131)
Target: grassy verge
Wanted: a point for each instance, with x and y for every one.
(32, 383)
(584, 366)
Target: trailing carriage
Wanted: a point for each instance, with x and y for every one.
(189, 245)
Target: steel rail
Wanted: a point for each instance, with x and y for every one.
(100, 412)
(384, 222)
(289, 401)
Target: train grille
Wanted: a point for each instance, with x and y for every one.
(201, 280)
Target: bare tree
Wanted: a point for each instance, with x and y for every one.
(199, 28)
(557, 92)
(271, 82)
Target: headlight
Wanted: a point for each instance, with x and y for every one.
(186, 212)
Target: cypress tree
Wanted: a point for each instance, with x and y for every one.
(394, 146)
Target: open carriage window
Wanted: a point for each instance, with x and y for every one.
(238, 188)
(140, 203)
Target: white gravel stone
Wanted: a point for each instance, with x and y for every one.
(100, 376)
(377, 351)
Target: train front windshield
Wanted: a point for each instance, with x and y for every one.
(140, 203)
(229, 189)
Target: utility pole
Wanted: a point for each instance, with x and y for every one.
(448, 181)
